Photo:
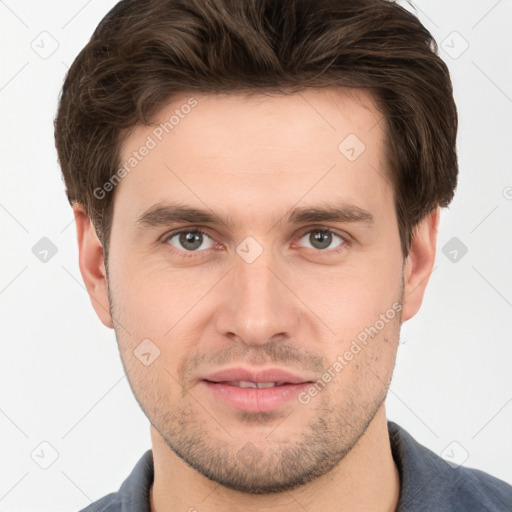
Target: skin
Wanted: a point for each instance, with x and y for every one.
(296, 306)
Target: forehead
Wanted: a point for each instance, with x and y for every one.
(246, 149)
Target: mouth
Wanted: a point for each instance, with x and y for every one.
(254, 390)
(250, 384)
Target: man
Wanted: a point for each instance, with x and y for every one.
(256, 188)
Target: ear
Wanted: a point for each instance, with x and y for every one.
(92, 264)
(419, 263)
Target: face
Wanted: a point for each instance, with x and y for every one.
(258, 330)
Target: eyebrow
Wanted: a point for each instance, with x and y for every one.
(164, 214)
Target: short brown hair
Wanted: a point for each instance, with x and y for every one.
(145, 51)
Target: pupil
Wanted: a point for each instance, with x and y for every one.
(320, 239)
(192, 238)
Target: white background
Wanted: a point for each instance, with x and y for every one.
(61, 378)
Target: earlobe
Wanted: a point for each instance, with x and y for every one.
(92, 264)
(419, 263)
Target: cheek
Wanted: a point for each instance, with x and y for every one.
(363, 364)
(362, 306)
(154, 385)
(151, 300)
(350, 298)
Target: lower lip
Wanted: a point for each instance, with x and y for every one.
(255, 399)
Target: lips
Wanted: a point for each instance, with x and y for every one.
(268, 375)
(250, 384)
(254, 390)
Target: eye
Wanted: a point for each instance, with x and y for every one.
(190, 240)
(320, 239)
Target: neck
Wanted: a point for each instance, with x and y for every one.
(366, 479)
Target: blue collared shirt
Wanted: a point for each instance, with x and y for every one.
(427, 483)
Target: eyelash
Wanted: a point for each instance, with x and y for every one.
(187, 254)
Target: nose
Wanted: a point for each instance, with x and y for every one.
(258, 303)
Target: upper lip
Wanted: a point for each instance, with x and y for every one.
(277, 375)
